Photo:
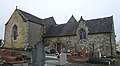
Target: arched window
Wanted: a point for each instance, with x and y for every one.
(82, 34)
(15, 32)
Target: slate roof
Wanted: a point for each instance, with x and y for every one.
(100, 25)
(72, 19)
(34, 19)
(66, 29)
(49, 21)
(30, 17)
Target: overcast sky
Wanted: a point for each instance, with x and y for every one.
(62, 10)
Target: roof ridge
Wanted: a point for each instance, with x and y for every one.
(49, 17)
(28, 13)
(60, 24)
(100, 18)
(21, 14)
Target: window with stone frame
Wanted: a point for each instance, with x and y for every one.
(15, 32)
(82, 34)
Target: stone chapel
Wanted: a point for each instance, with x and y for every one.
(24, 30)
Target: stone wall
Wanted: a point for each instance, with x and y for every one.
(35, 32)
(28, 32)
(68, 42)
(113, 40)
(17, 20)
(101, 43)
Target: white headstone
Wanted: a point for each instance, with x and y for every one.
(63, 59)
(49, 65)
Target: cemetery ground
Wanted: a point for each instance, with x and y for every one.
(38, 57)
(71, 63)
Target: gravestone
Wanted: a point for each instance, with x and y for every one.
(38, 55)
(58, 61)
(63, 59)
(97, 54)
(52, 51)
(33, 57)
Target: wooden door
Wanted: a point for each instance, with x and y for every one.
(58, 47)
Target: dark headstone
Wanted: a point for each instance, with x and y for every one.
(52, 51)
(38, 55)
